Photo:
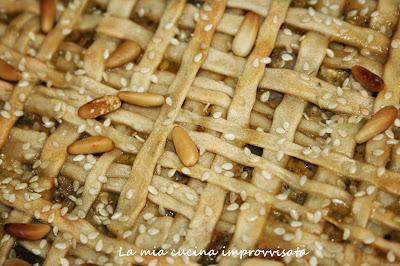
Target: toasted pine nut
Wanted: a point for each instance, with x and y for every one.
(32, 231)
(99, 106)
(144, 99)
(185, 147)
(246, 36)
(47, 14)
(378, 123)
(16, 262)
(367, 79)
(8, 72)
(91, 145)
(126, 52)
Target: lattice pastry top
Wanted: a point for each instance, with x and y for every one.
(220, 125)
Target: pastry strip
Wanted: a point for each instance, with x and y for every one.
(196, 52)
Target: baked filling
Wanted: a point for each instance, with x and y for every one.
(131, 125)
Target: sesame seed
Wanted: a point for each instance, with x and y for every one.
(197, 58)
(294, 214)
(266, 174)
(287, 32)
(256, 62)
(189, 196)
(60, 246)
(64, 211)
(5, 114)
(266, 60)
(92, 235)
(282, 196)
(229, 136)
(171, 172)
(370, 38)
(126, 234)
(129, 194)
(287, 57)
(205, 176)
(288, 237)
(381, 171)
(106, 54)
(369, 240)
(280, 155)
(152, 190)
(147, 216)
(265, 96)
(153, 231)
(303, 180)
(168, 25)
(66, 31)
(371, 190)
(83, 239)
(279, 231)
(174, 41)
(378, 152)
(208, 27)
(186, 171)
(107, 122)
(296, 224)
(208, 211)
(227, 166)
(138, 259)
(313, 261)
(232, 207)
(359, 194)
(116, 216)
(395, 43)
(99, 245)
(217, 115)
(168, 101)
(243, 195)
(23, 84)
(36, 251)
(102, 179)
(330, 53)
(21, 186)
(311, 11)
(51, 217)
(391, 257)
(252, 218)
(154, 79)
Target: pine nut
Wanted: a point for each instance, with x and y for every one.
(99, 106)
(126, 52)
(246, 36)
(91, 145)
(185, 147)
(8, 72)
(377, 124)
(47, 14)
(31, 231)
(144, 99)
(367, 79)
